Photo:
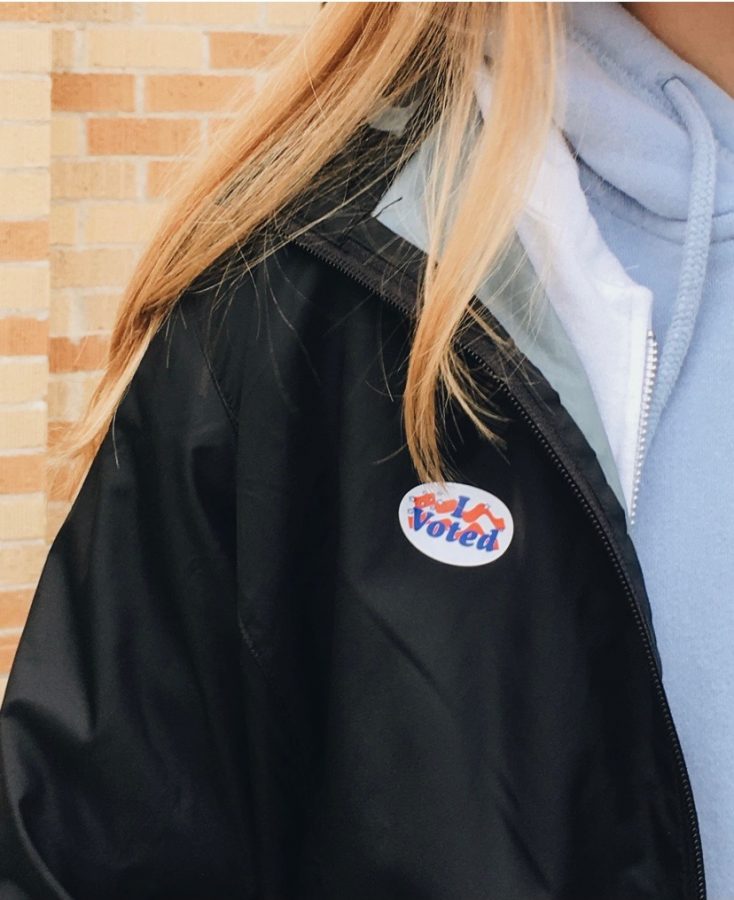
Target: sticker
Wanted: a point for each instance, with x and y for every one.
(460, 525)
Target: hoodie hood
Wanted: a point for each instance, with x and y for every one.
(658, 132)
(642, 122)
(625, 127)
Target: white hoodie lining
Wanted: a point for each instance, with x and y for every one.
(606, 314)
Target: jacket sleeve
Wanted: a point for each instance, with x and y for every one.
(124, 766)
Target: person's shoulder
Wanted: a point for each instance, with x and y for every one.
(272, 319)
(309, 283)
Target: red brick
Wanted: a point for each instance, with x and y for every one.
(26, 12)
(14, 606)
(23, 336)
(82, 93)
(166, 93)
(86, 354)
(150, 137)
(23, 240)
(240, 50)
(22, 474)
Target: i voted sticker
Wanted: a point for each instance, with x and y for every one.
(460, 524)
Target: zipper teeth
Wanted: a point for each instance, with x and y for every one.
(685, 785)
(651, 361)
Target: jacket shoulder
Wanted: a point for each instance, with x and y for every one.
(276, 326)
(317, 278)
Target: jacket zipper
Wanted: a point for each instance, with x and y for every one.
(651, 360)
(639, 619)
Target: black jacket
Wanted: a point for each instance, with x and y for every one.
(241, 678)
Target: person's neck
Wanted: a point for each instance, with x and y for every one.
(700, 33)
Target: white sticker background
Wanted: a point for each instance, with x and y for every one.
(456, 525)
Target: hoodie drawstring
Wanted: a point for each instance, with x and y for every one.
(695, 249)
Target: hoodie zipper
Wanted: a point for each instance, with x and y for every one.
(354, 272)
(651, 362)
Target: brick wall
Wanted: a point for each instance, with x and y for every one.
(99, 104)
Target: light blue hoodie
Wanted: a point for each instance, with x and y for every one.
(653, 160)
(654, 141)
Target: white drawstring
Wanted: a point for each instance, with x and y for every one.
(695, 249)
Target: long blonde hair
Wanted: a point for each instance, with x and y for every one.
(356, 60)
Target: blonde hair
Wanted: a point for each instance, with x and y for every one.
(356, 60)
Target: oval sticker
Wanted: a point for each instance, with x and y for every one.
(460, 525)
